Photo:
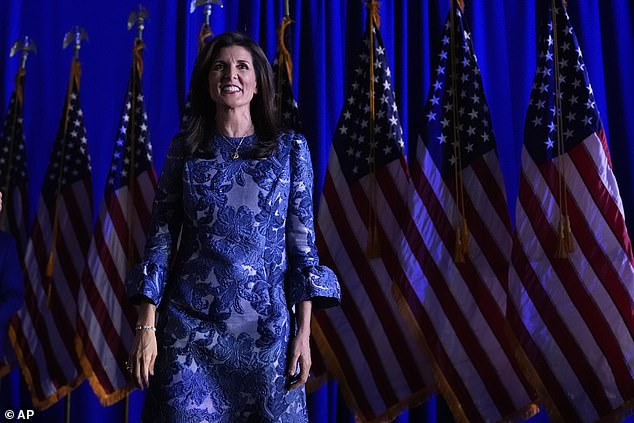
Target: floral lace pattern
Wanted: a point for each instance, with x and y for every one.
(246, 256)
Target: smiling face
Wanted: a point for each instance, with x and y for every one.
(232, 78)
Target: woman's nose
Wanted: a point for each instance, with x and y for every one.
(230, 72)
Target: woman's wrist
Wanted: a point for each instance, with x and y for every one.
(147, 315)
(303, 311)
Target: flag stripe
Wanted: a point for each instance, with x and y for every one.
(349, 374)
(48, 314)
(76, 200)
(110, 252)
(41, 340)
(395, 333)
(604, 263)
(144, 186)
(488, 291)
(601, 158)
(584, 236)
(370, 284)
(565, 339)
(492, 184)
(28, 333)
(555, 390)
(554, 345)
(354, 358)
(566, 288)
(468, 272)
(18, 218)
(428, 328)
(106, 307)
(100, 315)
(456, 316)
(594, 317)
(106, 304)
(93, 356)
(120, 223)
(414, 238)
(597, 187)
(19, 336)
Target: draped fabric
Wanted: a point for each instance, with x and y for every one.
(503, 36)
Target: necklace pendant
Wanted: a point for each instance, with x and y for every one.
(235, 155)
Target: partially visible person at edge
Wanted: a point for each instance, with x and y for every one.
(11, 286)
(231, 343)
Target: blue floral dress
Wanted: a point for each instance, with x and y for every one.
(246, 256)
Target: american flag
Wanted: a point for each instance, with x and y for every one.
(457, 184)
(571, 308)
(13, 175)
(13, 183)
(106, 320)
(44, 332)
(367, 343)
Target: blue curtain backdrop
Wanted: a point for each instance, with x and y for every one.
(323, 36)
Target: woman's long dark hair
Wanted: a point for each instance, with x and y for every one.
(202, 119)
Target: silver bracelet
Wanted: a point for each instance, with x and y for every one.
(144, 327)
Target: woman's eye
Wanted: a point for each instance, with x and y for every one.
(243, 66)
(218, 66)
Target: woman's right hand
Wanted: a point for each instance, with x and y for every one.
(144, 349)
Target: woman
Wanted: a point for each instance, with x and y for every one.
(229, 348)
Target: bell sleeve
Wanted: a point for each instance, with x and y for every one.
(306, 278)
(147, 280)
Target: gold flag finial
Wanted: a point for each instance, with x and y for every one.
(205, 29)
(25, 46)
(138, 17)
(75, 37)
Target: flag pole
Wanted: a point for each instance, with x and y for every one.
(25, 47)
(134, 18)
(137, 73)
(565, 244)
(284, 60)
(462, 231)
(74, 37)
(373, 248)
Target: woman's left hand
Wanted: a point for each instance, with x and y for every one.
(299, 353)
(300, 347)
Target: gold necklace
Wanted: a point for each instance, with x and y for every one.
(235, 154)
